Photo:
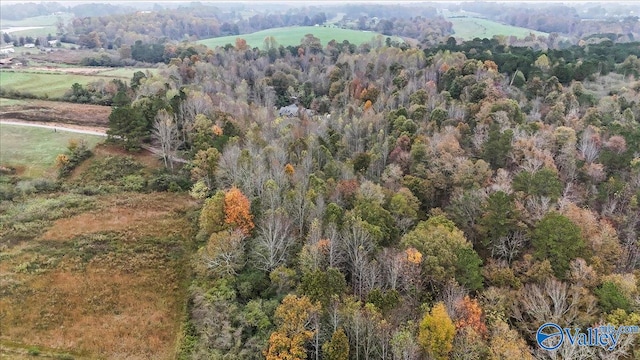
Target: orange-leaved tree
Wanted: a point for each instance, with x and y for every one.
(237, 210)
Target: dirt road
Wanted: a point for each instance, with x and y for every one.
(57, 127)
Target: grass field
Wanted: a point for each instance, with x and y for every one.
(293, 35)
(53, 83)
(469, 28)
(47, 24)
(33, 150)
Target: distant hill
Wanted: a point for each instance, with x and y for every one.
(293, 35)
(469, 28)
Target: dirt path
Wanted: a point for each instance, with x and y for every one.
(61, 127)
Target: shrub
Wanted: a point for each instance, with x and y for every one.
(77, 151)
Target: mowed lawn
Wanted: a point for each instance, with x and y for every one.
(293, 36)
(470, 27)
(33, 150)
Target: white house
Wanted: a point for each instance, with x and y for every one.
(29, 45)
(53, 42)
(7, 51)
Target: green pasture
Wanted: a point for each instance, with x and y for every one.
(469, 28)
(52, 85)
(35, 149)
(11, 102)
(293, 35)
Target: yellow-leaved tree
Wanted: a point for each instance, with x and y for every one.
(437, 332)
(288, 341)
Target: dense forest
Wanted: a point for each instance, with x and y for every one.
(442, 202)
(437, 200)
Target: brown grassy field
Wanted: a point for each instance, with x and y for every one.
(104, 283)
(56, 112)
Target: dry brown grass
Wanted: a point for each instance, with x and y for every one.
(125, 302)
(138, 214)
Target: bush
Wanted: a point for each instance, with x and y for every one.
(165, 181)
(112, 169)
(134, 183)
(7, 191)
(37, 186)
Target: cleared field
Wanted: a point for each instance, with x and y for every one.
(469, 28)
(293, 35)
(33, 150)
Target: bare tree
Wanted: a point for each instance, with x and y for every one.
(589, 146)
(273, 240)
(165, 130)
(553, 301)
(509, 246)
(358, 245)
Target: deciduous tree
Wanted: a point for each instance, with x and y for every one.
(437, 332)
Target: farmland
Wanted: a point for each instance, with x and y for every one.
(293, 35)
(468, 28)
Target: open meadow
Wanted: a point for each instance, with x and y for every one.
(33, 150)
(293, 35)
(468, 28)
